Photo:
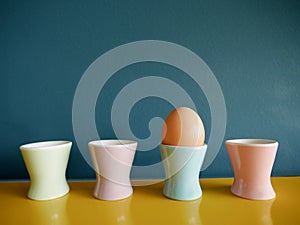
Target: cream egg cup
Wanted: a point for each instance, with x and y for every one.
(46, 163)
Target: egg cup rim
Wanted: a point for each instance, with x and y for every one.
(184, 146)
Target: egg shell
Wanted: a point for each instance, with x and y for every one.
(183, 127)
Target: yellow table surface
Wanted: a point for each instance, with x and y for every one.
(147, 205)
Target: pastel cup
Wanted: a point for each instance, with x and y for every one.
(112, 161)
(46, 163)
(182, 167)
(252, 162)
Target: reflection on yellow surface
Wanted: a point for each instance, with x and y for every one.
(238, 212)
(285, 209)
(187, 212)
(148, 206)
(151, 207)
(222, 205)
(117, 212)
(95, 211)
(52, 212)
(83, 208)
(16, 208)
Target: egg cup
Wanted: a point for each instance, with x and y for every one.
(46, 163)
(252, 162)
(112, 161)
(182, 166)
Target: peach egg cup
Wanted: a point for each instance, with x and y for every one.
(252, 161)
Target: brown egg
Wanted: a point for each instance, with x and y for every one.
(183, 127)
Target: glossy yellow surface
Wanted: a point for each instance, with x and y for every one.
(148, 206)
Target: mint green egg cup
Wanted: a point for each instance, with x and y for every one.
(182, 168)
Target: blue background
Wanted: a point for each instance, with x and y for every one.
(252, 46)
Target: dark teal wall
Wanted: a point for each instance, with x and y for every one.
(253, 48)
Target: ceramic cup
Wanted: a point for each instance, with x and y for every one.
(46, 163)
(112, 161)
(252, 161)
(182, 167)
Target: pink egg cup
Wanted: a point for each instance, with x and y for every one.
(112, 161)
(252, 162)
